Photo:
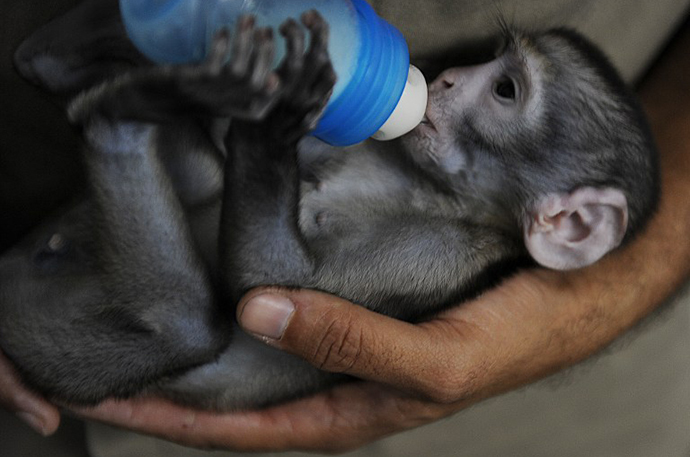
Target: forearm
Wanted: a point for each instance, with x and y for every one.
(260, 241)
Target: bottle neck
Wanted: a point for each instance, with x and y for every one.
(376, 86)
(410, 109)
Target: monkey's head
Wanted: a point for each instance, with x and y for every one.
(546, 139)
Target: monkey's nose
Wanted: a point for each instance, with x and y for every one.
(447, 83)
(444, 81)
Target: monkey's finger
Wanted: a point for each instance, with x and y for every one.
(29, 407)
(317, 77)
(259, 78)
(291, 67)
(242, 47)
(219, 52)
(318, 27)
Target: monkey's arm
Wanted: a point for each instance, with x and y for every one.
(260, 206)
(260, 242)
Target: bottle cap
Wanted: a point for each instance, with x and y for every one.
(409, 111)
(375, 87)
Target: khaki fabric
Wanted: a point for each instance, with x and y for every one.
(631, 32)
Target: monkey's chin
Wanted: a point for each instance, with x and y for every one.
(421, 135)
(418, 143)
(426, 124)
(426, 130)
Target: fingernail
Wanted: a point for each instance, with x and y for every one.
(33, 421)
(267, 315)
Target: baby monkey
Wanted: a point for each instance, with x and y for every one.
(541, 155)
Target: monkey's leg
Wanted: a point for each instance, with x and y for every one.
(152, 310)
(110, 296)
(142, 227)
(154, 280)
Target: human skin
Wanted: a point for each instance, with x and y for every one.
(534, 324)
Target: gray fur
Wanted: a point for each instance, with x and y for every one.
(185, 213)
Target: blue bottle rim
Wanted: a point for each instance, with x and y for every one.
(375, 87)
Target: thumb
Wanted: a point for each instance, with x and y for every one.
(337, 336)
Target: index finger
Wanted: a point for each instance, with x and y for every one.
(343, 418)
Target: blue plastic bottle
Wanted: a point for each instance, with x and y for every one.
(378, 94)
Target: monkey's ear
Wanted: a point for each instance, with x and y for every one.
(567, 231)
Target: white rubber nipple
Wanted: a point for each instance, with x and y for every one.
(409, 111)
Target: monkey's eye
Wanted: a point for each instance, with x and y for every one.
(505, 90)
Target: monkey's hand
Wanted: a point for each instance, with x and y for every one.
(306, 80)
(236, 80)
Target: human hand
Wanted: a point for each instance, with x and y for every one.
(34, 410)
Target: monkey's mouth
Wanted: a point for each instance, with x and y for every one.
(426, 122)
